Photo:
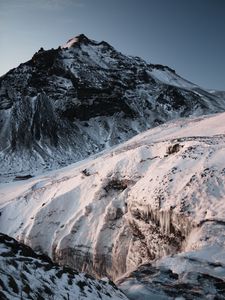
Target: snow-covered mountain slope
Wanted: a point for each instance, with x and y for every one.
(157, 198)
(67, 103)
(220, 94)
(165, 282)
(27, 275)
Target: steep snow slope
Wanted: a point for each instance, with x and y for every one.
(220, 94)
(68, 103)
(158, 197)
(27, 275)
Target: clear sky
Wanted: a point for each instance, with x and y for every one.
(187, 35)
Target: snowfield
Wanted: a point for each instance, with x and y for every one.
(157, 199)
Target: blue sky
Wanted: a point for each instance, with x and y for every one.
(187, 35)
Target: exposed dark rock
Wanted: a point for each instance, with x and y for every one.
(24, 177)
(162, 283)
(173, 149)
(116, 184)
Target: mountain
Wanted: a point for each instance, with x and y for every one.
(149, 213)
(27, 275)
(65, 104)
(220, 94)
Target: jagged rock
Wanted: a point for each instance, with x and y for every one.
(160, 282)
(173, 149)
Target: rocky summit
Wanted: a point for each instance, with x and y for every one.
(65, 104)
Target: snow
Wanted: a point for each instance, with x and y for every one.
(157, 198)
(167, 77)
(26, 275)
(94, 206)
(70, 43)
(220, 94)
(107, 86)
(201, 127)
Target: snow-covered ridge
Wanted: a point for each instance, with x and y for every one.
(220, 94)
(27, 275)
(156, 198)
(167, 77)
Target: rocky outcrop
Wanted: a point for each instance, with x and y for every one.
(160, 282)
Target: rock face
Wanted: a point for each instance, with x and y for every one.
(158, 198)
(161, 282)
(27, 275)
(67, 103)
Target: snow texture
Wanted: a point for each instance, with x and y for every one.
(27, 275)
(158, 198)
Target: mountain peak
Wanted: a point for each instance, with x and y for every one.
(81, 38)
